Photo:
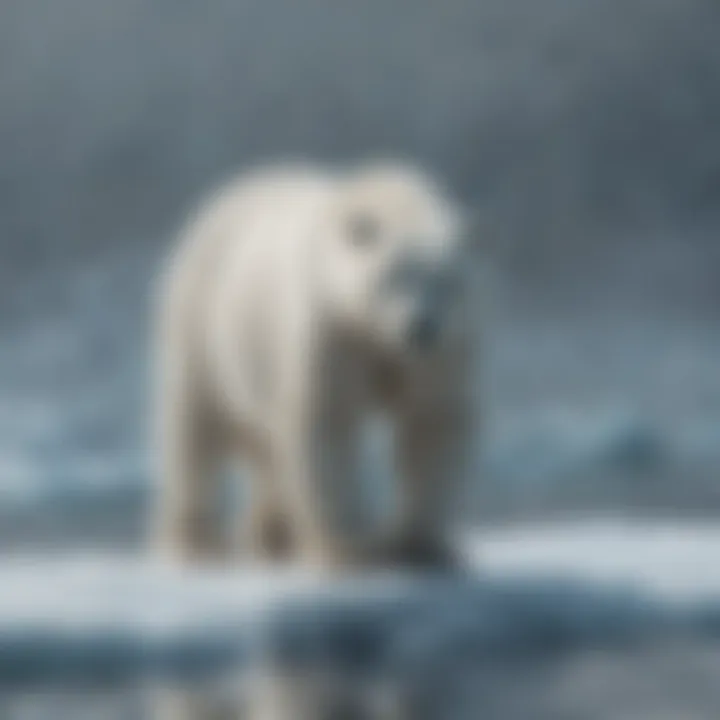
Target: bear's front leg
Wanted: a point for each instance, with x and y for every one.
(435, 441)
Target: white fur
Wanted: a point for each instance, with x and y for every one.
(279, 331)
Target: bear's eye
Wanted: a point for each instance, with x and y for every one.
(363, 229)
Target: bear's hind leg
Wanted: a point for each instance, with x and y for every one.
(265, 532)
(186, 521)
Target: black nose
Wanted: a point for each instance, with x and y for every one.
(423, 332)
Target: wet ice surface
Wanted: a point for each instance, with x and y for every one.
(660, 682)
(594, 621)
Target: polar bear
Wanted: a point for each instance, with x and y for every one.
(299, 300)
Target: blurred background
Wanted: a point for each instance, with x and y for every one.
(588, 130)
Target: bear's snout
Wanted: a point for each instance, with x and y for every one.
(424, 332)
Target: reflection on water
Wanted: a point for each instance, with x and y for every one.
(677, 681)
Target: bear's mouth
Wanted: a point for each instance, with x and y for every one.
(423, 334)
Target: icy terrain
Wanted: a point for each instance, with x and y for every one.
(534, 595)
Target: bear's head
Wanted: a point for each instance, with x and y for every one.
(395, 260)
